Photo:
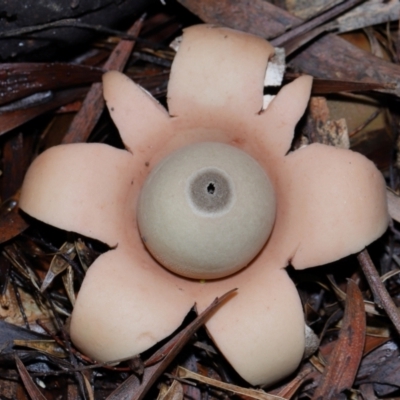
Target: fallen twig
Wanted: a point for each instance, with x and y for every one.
(381, 295)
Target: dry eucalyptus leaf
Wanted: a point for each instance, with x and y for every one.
(14, 255)
(88, 386)
(85, 254)
(45, 346)
(58, 264)
(31, 388)
(12, 314)
(369, 305)
(342, 366)
(173, 392)
(68, 281)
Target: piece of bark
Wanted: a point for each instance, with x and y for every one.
(333, 58)
(370, 13)
(329, 57)
(323, 128)
(315, 24)
(258, 17)
(329, 86)
(305, 9)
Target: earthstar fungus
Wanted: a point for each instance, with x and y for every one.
(329, 203)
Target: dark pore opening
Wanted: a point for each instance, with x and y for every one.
(210, 191)
(211, 188)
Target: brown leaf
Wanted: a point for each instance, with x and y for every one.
(373, 342)
(93, 105)
(31, 388)
(343, 364)
(14, 118)
(23, 79)
(289, 390)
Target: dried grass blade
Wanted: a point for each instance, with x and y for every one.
(344, 362)
(184, 373)
(93, 105)
(31, 388)
(68, 281)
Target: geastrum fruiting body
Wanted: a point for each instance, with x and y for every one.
(215, 169)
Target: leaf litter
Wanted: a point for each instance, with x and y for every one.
(353, 308)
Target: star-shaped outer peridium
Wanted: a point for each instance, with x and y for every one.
(330, 203)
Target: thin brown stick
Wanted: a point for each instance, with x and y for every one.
(381, 295)
(315, 22)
